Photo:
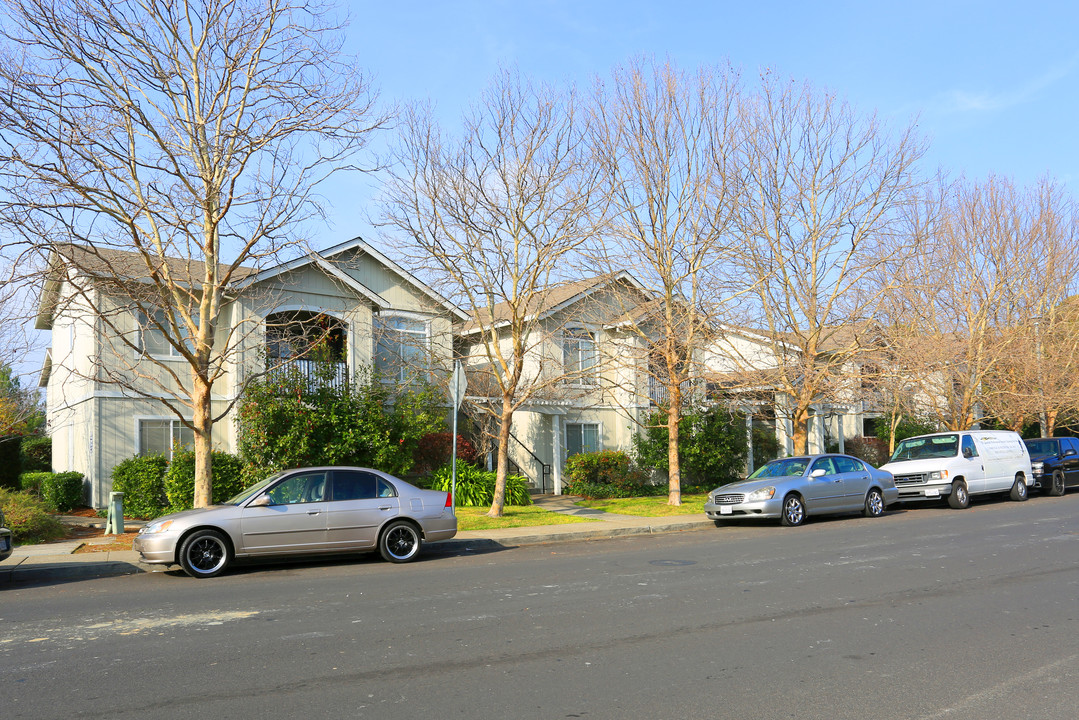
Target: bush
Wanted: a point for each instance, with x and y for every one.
(711, 446)
(28, 518)
(765, 445)
(31, 482)
(142, 481)
(601, 491)
(476, 487)
(873, 450)
(10, 462)
(36, 452)
(436, 449)
(294, 422)
(62, 491)
(228, 478)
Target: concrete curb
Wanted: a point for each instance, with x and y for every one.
(41, 566)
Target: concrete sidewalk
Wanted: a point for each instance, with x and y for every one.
(57, 562)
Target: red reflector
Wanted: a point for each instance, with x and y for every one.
(448, 501)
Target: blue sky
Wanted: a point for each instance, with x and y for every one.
(994, 86)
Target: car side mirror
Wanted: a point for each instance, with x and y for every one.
(819, 472)
(1069, 452)
(260, 501)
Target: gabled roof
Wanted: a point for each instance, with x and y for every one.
(322, 260)
(553, 299)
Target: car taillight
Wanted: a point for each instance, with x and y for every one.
(449, 501)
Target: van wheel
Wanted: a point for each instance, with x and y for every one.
(1019, 489)
(959, 498)
(1056, 487)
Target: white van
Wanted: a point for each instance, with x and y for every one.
(957, 465)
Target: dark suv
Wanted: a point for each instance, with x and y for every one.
(1055, 462)
(5, 539)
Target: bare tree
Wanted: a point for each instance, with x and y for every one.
(492, 215)
(963, 295)
(665, 139)
(187, 135)
(1037, 378)
(821, 189)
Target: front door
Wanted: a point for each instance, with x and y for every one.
(295, 519)
(973, 466)
(824, 493)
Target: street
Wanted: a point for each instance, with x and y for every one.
(924, 613)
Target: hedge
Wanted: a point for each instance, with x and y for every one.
(28, 518)
(62, 491)
(228, 479)
(142, 481)
(36, 452)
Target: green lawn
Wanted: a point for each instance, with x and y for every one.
(475, 518)
(692, 504)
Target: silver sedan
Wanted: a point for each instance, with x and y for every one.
(302, 511)
(794, 488)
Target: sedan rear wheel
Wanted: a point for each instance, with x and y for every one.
(959, 498)
(1019, 489)
(1056, 486)
(400, 542)
(794, 510)
(204, 554)
(874, 503)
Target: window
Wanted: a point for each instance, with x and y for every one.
(153, 341)
(969, 449)
(400, 347)
(352, 485)
(581, 438)
(848, 465)
(825, 464)
(302, 488)
(579, 357)
(160, 436)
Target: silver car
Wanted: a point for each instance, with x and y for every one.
(302, 511)
(794, 488)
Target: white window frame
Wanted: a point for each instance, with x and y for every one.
(174, 427)
(582, 424)
(378, 322)
(579, 375)
(146, 327)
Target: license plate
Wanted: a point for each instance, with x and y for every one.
(932, 493)
(726, 510)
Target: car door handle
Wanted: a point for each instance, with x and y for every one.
(838, 480)
(313, 512)
(384, 507)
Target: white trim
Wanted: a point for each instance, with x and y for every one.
(138, 434)
(350, 282)
(428, 332)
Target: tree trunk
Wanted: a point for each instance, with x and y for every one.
(202, 419)
(503, 465)
(801, 430)
(674, 415)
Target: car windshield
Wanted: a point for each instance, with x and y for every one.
(920, 448)
(253, 490)
(787, 467)
(1043, 447)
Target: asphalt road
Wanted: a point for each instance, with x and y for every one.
(924, 613)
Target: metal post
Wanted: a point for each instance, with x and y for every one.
(114, 525)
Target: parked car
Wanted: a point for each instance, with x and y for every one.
(303, 511)
(956, 465)
(1055, 463)
(6, 545)
(792, 489)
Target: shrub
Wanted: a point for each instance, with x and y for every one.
(62, 491)
(228, 478)
(28, 518)
(10, 462)
(31, 482)
(873, 450)
(476, 487)
(36, 452)
(711, 445)
(765, 445)
(142, 481)
(436, 449)
(293, 422)
(606, 474)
